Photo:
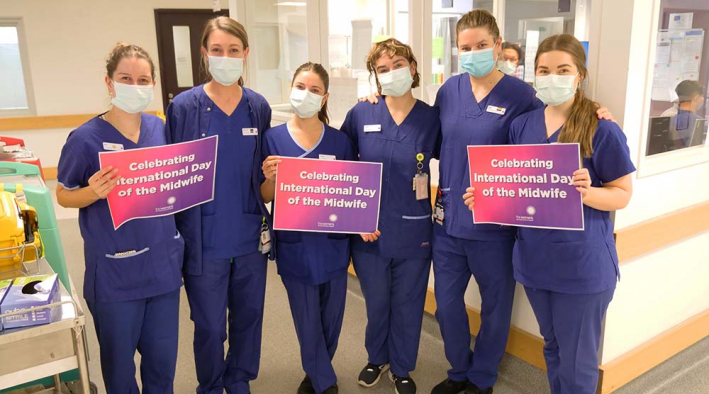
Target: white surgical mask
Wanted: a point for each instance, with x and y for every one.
(396, 83)
(132, 98)
(226, 70)
(305, 103)
(506, 67)
(555, 89)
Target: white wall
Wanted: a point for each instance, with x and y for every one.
(68, 42)
(661, 289)
(666, 192)
(656, 293)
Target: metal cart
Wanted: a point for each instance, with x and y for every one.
(30, 354)
(47, 350)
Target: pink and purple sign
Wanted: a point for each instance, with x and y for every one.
(161, 180)
(327, 196)
(526, 185)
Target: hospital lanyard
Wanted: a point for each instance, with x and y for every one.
(420, 183)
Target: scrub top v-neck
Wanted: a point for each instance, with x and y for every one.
(232, 221)
(307, 257)
(573, 261)
(143, 257)
(404, 222)
(465, 121)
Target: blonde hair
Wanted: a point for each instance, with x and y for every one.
(581, 125)
(478, 18)
(227, 25)
(124, 50)
(391, 47)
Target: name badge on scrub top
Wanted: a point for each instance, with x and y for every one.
(496, 110)
(112, 146)
(372, 128)
(327, 157)
(249, 131)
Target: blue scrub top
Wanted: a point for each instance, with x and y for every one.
(189, 117)
(465, 122)
(683, 126)
(311, 258)
(573, 262)
(404, 222)
(154, 266)
(231, 232)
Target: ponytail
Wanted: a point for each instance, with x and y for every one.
(581, 125)
(322, 115)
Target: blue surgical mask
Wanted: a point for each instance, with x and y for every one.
(555, 89)
(477, 63)
(132, 98)
(305, 103)
(396, 83)
(226, 70)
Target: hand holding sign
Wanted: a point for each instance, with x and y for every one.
(327, 196)
(103, 182)
(527, 185)
(270, 167)
(582, 181)
(156, 181)
(469, 197)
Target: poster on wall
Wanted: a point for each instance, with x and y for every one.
(678, 57)
(161, 181)
(526, 185)
(681, 21)
(532, 44)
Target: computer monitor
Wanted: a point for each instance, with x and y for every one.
(658, 140)
(699, 136)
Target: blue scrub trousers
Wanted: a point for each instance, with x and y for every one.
(317, 312)
(149, 326)
(490, 262)
(394, 292)
(239, 285)
(571, 325)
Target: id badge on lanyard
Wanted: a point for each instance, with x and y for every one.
(265, 244)
(420, 183)
(438, 212)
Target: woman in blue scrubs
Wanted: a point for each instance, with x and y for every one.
(570, 276)
(224, 268)
(393, 264)
(476, 108)
(133, 274)
(313, 266)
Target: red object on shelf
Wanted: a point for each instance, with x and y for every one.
(8, 156)
(12, 141)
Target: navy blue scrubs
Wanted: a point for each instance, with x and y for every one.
(462, 248)
(133, 297)
(224, 270)
(313, 266)
(393, 271)
(682, 128)
(570, 276)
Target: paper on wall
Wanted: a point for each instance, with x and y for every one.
(681, 21)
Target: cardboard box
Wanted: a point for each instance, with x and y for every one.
(4, 287)
(27, 292)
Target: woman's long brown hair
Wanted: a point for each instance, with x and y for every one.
(581, 125)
